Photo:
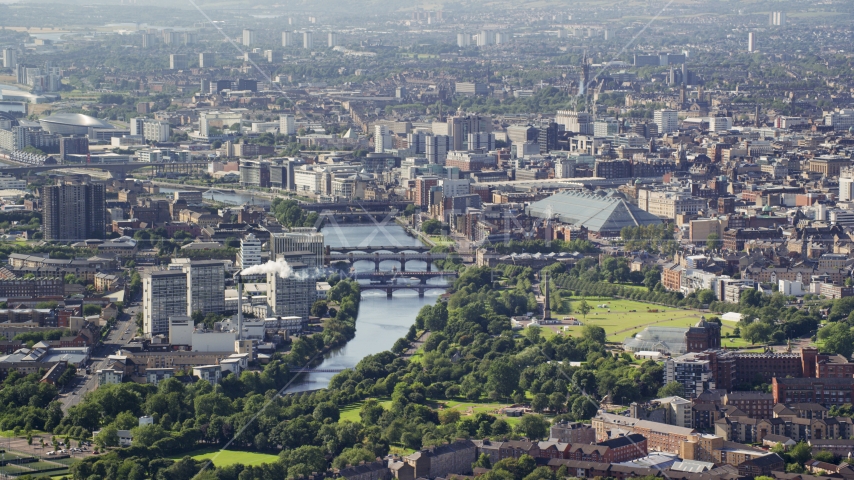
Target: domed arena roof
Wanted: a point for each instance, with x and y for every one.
(71, 123)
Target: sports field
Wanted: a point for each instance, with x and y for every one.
(624, 318)
(222, 458)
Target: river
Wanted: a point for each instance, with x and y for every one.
(229, 198)
(381, 320)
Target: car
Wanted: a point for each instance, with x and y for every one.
(51, 452)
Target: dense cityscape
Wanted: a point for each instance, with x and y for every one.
(396, 241)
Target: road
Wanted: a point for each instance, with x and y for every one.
(125, 329)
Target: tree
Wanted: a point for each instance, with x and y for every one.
(540, 402)
(533, 426)
(757, 332)
(593, 333)
(838, 338)
(503, 377)
(713, 241)
(801, 452)
(672, 389)
(583, 308)
(583, 408)
(482, 462)
(319, 308)
(108, 437)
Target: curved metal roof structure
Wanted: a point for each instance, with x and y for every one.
(71, 123)
(598, 212)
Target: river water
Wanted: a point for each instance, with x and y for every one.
(229, 198)
(381, 320)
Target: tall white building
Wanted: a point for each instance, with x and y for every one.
(156, 130)
(178, 61)
(383, 139)
(667, 120)
(9, 58)
(720, 124)
(564, 168)
(437, 148)
(307, 40)
(248, 37)
(299, 240)
(292, 296)
(463, 40)
(481, 140)
(846, 184)
(751, 42)
(332, 39)
(777, 19)
(287, 125)
(287, 38)
(486, 37)
(137, 125)
(164, 294)
(250, 251)
(572, 121)
(207, 60)
(205, 286)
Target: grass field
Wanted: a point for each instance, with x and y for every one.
(624, 318)
(351, 412)
(222, 458)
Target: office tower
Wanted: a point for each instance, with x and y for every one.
(293, 296)
(307, 40)
(137, 125)
(777, 19)
(332, 40)
(383, 139)
(74, 211)
(177, 61)
(547, 137)
(204, 86)
(572, 121)
(459, 128)
(423, 187)
(564, 168)
(207, 60)
(205, 286)
(846, 184)
(415, 141)
(73, 145)
(156, 130)
(463, 40)
(250, 251)
(164, 295)
(751, 42)
(248, 37)
(667, 120)
(147, 40)
(288, 38)
(287, 125)
(481, 140)
(299, 240)
(9, 58)
(436, 147)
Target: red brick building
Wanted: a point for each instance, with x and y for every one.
(823, 391)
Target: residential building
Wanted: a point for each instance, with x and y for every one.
(667, 121)
(74, 211)
(291, 294)
(250, 251)
(178, 61)
(205, 286)
(248, 37)
(164, 294)
(209, 373)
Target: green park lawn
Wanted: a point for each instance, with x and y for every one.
(222, 458)
(351, 412)
(628, 317)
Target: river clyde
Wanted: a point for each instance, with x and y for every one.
(381, 320)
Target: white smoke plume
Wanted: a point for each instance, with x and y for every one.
(281, 268)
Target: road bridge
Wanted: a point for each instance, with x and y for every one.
(367, 205)
(385, 278)
(390, 289)
(316, 370)
(385, 249)
(377, 257)
(117, 170)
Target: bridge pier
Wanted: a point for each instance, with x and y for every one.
(388, 292)
(421, 293)
(402, 262)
